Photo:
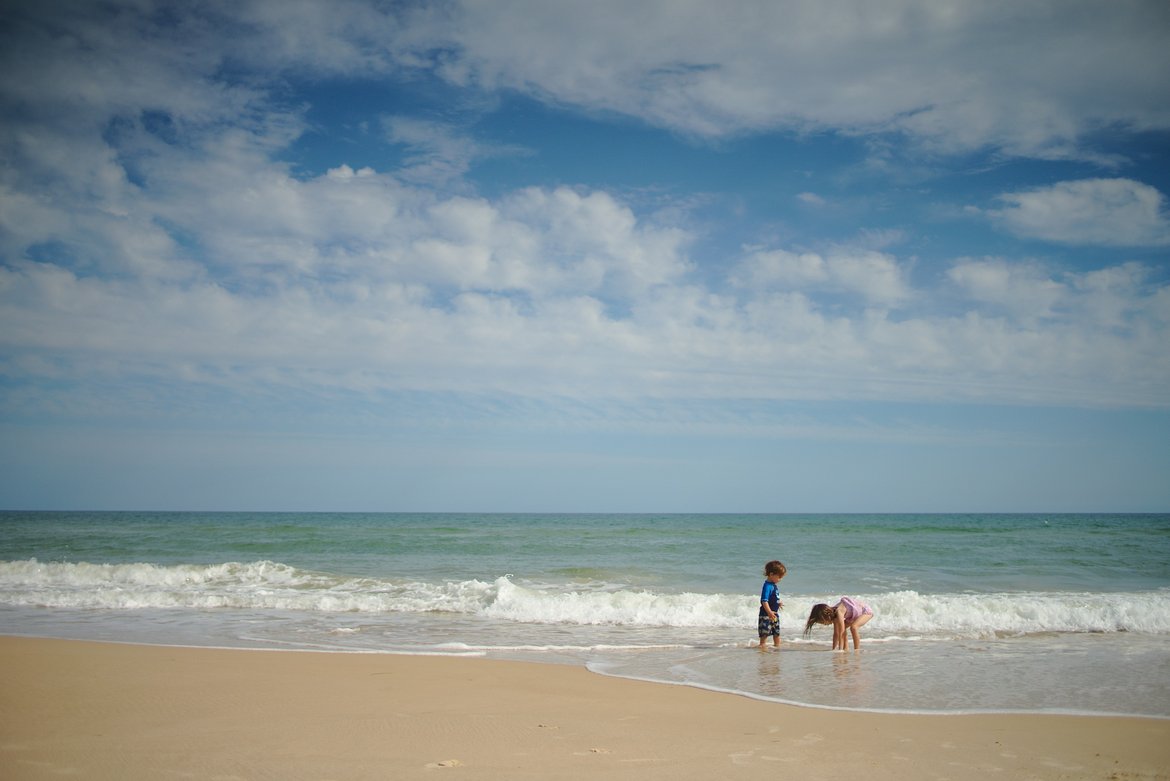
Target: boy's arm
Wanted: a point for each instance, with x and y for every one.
(764, 604)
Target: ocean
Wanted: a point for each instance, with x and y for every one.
(973, 613)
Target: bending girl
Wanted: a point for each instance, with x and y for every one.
(846, 614)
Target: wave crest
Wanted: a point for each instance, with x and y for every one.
(268, 585)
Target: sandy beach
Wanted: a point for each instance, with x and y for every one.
(113, 711)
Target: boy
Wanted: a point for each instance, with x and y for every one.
(770, 603)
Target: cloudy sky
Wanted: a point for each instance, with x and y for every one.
(523, 255)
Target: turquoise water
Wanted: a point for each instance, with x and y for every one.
(973, 612)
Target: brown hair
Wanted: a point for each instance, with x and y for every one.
(820, 614)
(775, 568)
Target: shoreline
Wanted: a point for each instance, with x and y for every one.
(880, 711)
(729, 692)
(130, 711)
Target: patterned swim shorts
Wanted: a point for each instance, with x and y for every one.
(769, 627)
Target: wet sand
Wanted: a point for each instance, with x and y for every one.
(112, 711)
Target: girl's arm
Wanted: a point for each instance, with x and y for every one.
(839, 639)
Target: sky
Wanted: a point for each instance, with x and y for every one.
(540, 256)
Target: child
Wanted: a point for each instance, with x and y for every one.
(846, 614)
(770, 603)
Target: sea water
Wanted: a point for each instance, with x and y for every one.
(1033, 613)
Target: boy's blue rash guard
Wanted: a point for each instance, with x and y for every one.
(771, 595)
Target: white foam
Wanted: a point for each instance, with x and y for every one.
(257, 585)
(910, 613)
(622, 607)
(267, 585)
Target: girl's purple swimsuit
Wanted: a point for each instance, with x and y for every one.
(853, 609)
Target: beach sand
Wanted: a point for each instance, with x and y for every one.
(112, 711)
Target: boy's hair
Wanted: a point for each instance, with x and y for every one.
(775, 568)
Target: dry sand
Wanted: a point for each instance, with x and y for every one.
(72, 709)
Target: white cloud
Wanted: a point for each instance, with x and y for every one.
(1024, 290)
(1030, 79)
(302, 36)
(1104, 212)
(1101, 339)
(440, 153)
(194, 256)
(1114, 298)
(877, 278)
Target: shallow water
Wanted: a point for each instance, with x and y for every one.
(1061, 613)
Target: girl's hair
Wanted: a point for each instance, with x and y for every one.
(775, 567)
(820, 614)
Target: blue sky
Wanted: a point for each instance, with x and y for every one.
(537, 256)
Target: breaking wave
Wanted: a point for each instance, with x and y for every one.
(267, 585)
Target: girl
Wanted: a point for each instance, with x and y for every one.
(846, 614)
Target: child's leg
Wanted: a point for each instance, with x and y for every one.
(860, 622)
(766, 627)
